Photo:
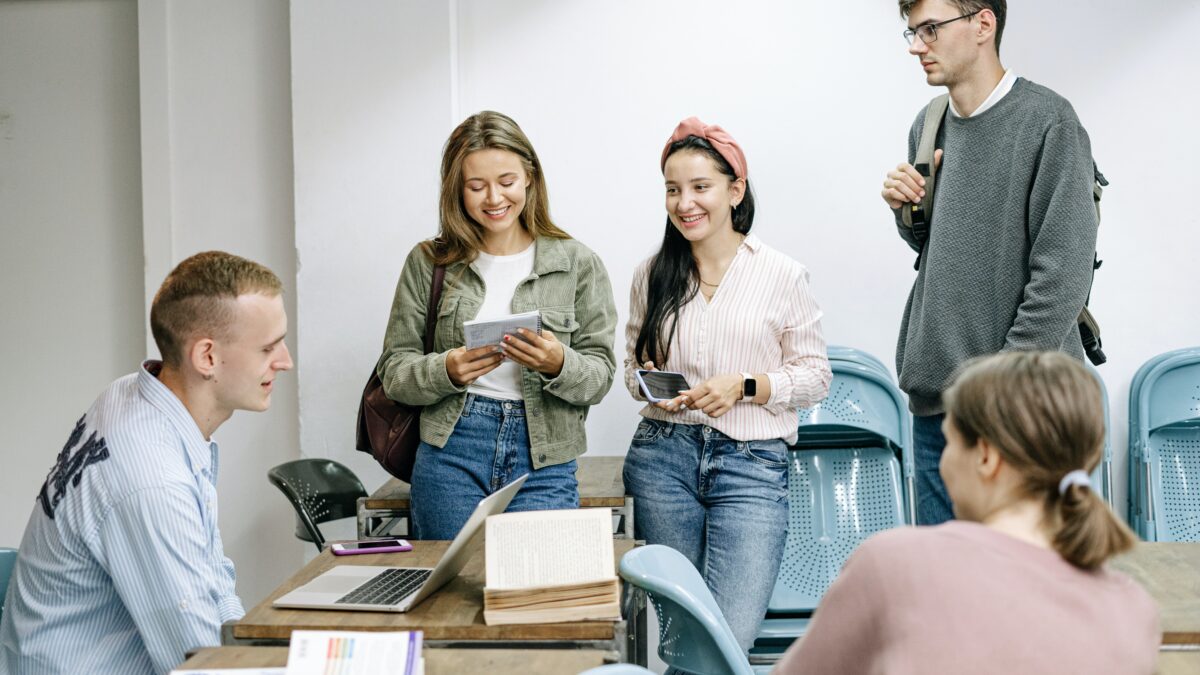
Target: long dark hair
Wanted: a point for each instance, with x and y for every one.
(674, 278)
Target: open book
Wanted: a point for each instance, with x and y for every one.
(549, 567)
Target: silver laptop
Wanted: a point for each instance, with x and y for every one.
(397, 589)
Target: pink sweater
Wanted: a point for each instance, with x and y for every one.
(963, 598)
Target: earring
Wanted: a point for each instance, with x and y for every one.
(208, 376)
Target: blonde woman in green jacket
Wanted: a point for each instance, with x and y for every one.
(494, 413)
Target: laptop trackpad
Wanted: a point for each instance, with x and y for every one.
(342, 579)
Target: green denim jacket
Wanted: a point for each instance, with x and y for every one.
(569, 285)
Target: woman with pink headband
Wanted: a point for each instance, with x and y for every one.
(708, 467)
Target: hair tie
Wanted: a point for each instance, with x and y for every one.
(717, 137)
(1077, 477)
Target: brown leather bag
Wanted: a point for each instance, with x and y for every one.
(391, 431)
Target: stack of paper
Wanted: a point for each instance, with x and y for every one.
(550, 566)
(319, 652)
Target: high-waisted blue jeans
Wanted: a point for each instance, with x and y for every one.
(488, 450)
(722, 503)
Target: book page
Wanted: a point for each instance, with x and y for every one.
(548, 548)
(492, 331)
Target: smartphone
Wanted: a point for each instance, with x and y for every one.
(661, 385)
(390, 545)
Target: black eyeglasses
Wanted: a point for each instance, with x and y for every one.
(928, 31)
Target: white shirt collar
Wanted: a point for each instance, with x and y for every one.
(1004, 86)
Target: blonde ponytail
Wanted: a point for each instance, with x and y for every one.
(1044, 413)
(1088, 533)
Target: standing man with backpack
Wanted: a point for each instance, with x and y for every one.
(1006, 249)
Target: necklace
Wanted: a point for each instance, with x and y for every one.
(708, 284)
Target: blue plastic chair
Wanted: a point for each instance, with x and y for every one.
(693, 635)
(841, 353)
(1164, 433)
(1138, 477)
(618, 669)
(1102, 474)
(850, 475)
(8, 558)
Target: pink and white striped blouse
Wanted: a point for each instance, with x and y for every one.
(762, 319)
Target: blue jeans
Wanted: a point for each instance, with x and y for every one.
(488, 450)
(722, 503)
(933, 502)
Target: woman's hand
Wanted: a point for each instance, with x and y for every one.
(716, 395)
(672, 405)
(464, 366)
(543, 353)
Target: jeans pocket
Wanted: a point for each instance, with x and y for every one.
(772, 453)
(647, 430)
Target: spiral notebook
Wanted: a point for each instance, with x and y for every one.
(480, 333)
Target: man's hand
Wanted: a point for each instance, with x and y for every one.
(464, 366)
(543, 353)
(905, 185)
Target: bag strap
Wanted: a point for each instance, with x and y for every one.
(435, 297)
(917, 216)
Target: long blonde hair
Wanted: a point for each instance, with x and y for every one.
(1044, 413)
(460, 238)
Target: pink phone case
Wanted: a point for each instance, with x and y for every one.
(393, 546)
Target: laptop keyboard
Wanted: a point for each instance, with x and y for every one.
(387, 588)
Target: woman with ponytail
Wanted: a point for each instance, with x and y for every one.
(1018, 584)
(708, 468)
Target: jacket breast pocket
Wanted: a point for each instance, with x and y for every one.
(561, 322)
(447, 332)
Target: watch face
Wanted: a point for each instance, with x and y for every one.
(749, 387)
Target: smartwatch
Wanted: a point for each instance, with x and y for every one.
(749, 386)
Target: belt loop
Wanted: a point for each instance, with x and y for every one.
(468, 404)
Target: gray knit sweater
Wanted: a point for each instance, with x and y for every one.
(1008, 263)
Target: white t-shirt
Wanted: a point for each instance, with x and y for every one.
(501, 275)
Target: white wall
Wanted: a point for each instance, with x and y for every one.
(70, 227)
(821, 102)
(375, 87)
(216, 147)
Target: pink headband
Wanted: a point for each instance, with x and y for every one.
(717, 137)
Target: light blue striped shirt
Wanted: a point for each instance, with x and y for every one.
(122, 569)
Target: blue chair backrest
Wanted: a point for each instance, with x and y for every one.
(864, 409)
(1102, 475)
(693, 634)
(852, 355)
(862, 404)
(8, 558)
(836, 499)
(1165, 447)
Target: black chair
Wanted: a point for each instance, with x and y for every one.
(320, 490)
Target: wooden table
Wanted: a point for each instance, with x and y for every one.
(1170, 572)
(1177, 662)
(451, 617)
(437, 661)
(600, 486)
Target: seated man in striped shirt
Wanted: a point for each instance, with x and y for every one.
(121, 569)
